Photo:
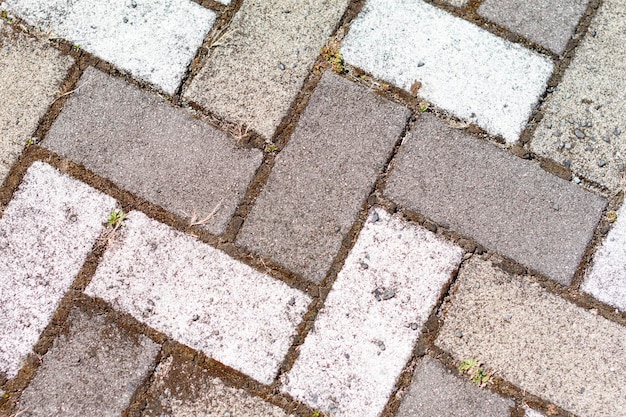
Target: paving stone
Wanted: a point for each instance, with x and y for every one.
(154, 41)
(200, 297)
(151, 149)
(463, 69)
(257, 70)
(31, 75)
(46, 232)
(607, 278)
(93, 370)
(538, 341)
(505, 203)
(323, 176)
(550, 24)
(436, 392)
(591, 100)
(365, 333)
(180, 389)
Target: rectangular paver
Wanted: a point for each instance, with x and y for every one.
(153, 40)
(365, 333)
(46, 232)
(505, 203)
(200, 296)
(261, 62)
(323, 176)
(31, 75)
(538, 341)
(434, 391)
(463, 69)
(153, 150)
(92, 370)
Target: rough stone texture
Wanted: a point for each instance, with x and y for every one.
(31, 75)
(244, 80)
(154, 41)
(93, 370)
(505, 203)
(591, 99)
(151, 149)
(323, 176)
(46, 232)
(181, 389)
(607, 279)
(536, 340)
(548, 23)
(364, 335)
(436, 392)
(463, 69)
(200, 296)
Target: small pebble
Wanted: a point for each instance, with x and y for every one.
(568, 145)
(346, 355)
(292, 301)
(133, 4)
(594, 33)
(414, 326)
(195, 317)
(420, 64)
(576, 180)
(579, 134)
(375, 217)
(458, 334)
(381, 345)
(282, 66)
(606, 139)
(567, 163)
(364, 265)
(568, 95)
(560, 145)
(508, 317)
(555, 207)
(557, 133)
(389, 294)
(73, 218)
(337, 228)
(617, 131)
(549, 125)
(601, 163)
(125, 20)
(589, 124)
(589, 148)
(550, 89)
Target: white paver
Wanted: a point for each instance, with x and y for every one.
(200, 296)
(607, 279)
(366, 331)
(153, 40)
(463, 69)
(46, 232)
(532, 413)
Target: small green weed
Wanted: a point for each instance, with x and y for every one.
(316, 414)
(475, 370)
(611, 216)
(334, 58)
(117, 219)
(271, 148)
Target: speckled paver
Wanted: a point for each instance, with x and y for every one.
(257, 68)
(92, 370)
(365, 333)
(505, 203)
(436, 392)
(584, 123)
(154, 150)
(323, 176)
(463, 69)
(538, 341)
(46, 232)
(153, 40)
(31, 75)
(548, 23)
(200, 296)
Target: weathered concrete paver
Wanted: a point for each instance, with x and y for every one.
(154, 41)
(200, 296)
(365, 333)
(323, 176)
(255, 73)
(548, 23)
(463, 69)
(436, 392)
(31, 75)
(158, 152)
(93, 370)
(538, 341)
(46, 232)
(505, 203)
(584, 124)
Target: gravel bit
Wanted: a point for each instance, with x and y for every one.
(579, 134)
(556, 207)
(606, 139)
(589, 148)
(375, 217)
(617, 132)
(383, 294)
(282, 66)
(567, 163)
(364, 265)
(557, 133)
(458, 334)
(568, 145)
(601, 163)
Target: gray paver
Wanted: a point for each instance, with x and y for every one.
(538, 341)
(151, 149)
(322, 177)
(591, 101)
(463, 69)
(31, 75)
(548, 23)
(46, 232)
(365, 333)
(255, 73)
(436, 392)
(93, 370)
(505, 203)
(200, 296)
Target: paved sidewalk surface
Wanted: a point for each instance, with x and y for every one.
(346, 208)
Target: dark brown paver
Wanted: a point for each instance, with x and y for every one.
(505, 203)
(323, 176)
